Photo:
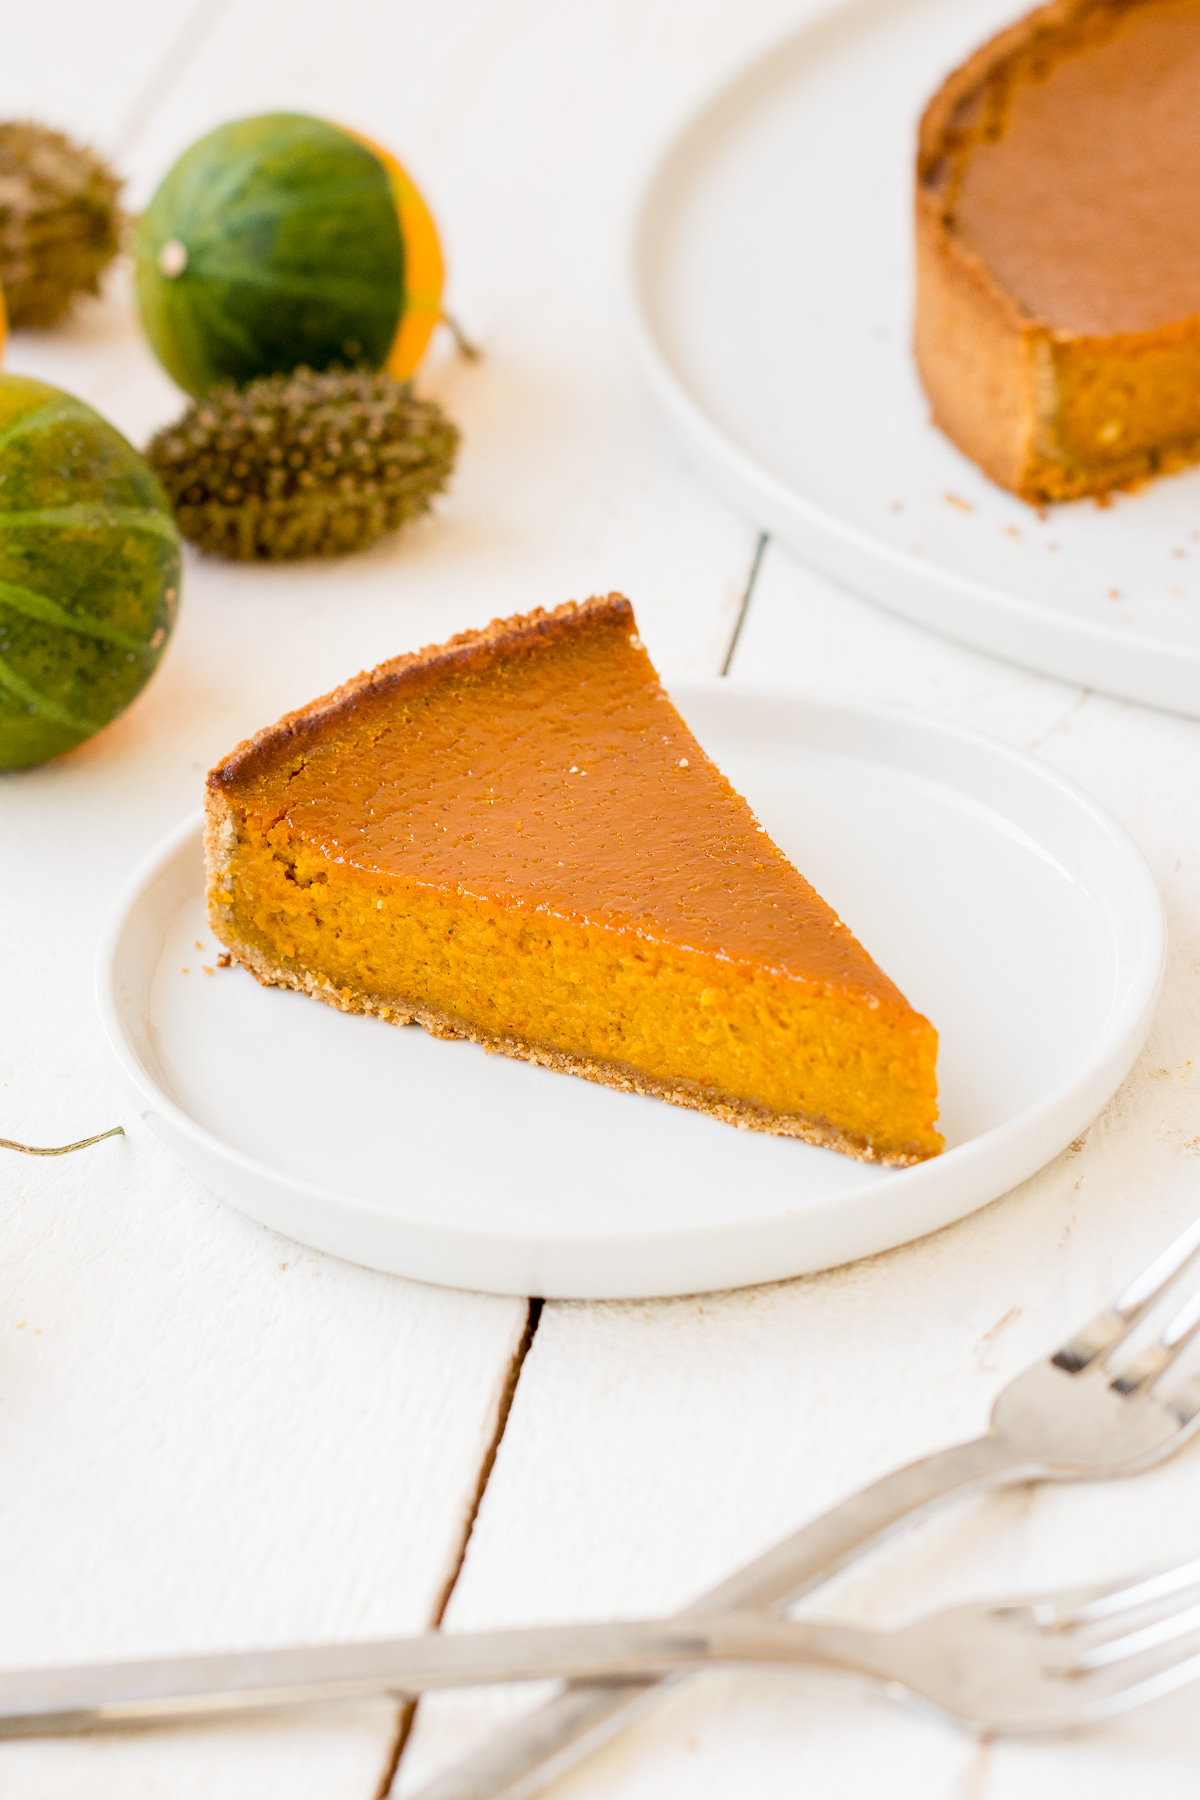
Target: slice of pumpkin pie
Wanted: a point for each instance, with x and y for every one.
(514, 838)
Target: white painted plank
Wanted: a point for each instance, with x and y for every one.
(221, 1440)
(215, 1449)
(803, 631)
(92, 70)
(651, 1448)
(213, 1439)
(324, 1484)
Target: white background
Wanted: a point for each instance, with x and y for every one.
(209, 1437)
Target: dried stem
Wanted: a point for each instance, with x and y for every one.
(62, 1149)
(471, 351)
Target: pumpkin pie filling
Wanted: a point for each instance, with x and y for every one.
(515, 838)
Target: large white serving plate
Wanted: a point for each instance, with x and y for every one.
(1008, 906)
(772, 274)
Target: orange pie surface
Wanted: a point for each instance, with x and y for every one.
(515, 838)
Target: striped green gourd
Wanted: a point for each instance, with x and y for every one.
(89, 572)
(272, 243)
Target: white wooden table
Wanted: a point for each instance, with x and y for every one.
(210, 1437)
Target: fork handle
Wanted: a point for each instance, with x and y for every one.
(519, 1761)
(39, 1701)
(834, 1539)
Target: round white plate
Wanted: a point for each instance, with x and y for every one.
(1009, 908)
(772, 275)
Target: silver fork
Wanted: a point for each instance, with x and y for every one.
(1074, 1417)
(1036, 1665)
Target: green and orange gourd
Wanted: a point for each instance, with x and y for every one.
(284, 241)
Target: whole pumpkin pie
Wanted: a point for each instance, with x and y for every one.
(514, 838)
(1058, 248)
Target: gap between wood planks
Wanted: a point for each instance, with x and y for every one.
(200, 22)
(747, 595)
(408, 1712)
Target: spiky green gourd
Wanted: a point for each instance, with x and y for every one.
(60, 225)
(89, 572)
(273, 242)
(303, 465)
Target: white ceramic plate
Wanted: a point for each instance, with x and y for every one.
(773, 299)
(1008, 907)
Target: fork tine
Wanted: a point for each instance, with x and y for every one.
(1112, 1625)
(1154, 1656)
(1176, 1623)
(1154, 1280)
(1154, 1361)
(1152, 1684)
(1128, 1596)
(1066, 1610)
(1128, 1641)
(1118, 1686)
(1113, 1323)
